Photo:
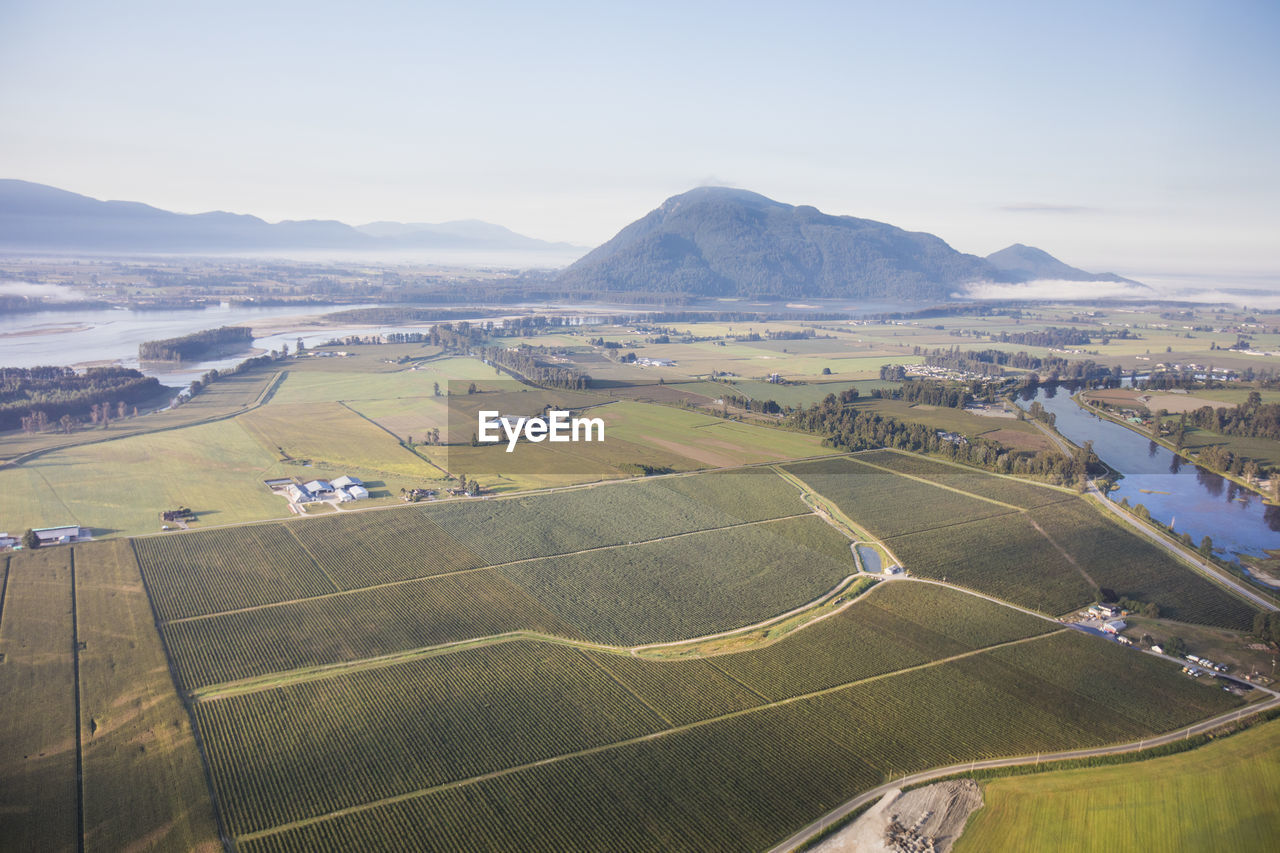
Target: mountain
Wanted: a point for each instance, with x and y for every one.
(38, 217)
(720, 242)
(1030, 263)
(458, 234)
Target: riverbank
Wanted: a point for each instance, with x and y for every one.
(1183, 453)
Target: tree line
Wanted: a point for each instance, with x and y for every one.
(35, 399)
(194, 345)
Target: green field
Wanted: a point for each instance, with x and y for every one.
(1055, 556)
(1131, 567)
(1005, 556)
(1006, 489)
(438, 776)
(690, 586)
(888, 504)
(1221, 796)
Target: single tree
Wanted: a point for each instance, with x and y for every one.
(30, 540)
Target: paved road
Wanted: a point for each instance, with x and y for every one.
(1200, 565)
(938, 772)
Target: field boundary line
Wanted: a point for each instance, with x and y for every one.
(1065, 491)
(224, 835)
(830, 511)
(75, 674)
(387, 584)
(1063, 551)
(516, 495)
(400, 441)
(312, 557)
(854, 458)
(556, 759)
(740, 682)
(613, 676)
(4, 592)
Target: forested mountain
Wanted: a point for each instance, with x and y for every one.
(716, 241)
(1029, 263)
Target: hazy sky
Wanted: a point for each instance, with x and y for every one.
(1134, 136)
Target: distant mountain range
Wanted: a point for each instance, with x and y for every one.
(721, 242)
(43, 218)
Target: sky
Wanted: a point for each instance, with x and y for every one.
(1136, 137)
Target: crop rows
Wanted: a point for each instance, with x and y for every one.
(366, 548)
(310, 748)
(895, 626)
(1025, 495)
(747, 781)
(887, 504)
(1131, 567)
(1135, 686)
(575, 520)
(353, 626)
(1003, 556)
(682, 691)
(692, 585)
(736, 785)
(208, 571)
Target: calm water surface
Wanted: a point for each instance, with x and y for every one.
(1176, 491)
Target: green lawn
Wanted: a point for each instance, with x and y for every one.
(1222, 796)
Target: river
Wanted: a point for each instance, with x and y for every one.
(1176, 492)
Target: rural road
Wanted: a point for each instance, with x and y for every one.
(874, 794)
(1200, 565)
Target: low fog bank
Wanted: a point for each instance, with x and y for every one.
(1261, 290)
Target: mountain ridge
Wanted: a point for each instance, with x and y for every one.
(40, 217)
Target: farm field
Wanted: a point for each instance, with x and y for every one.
(690, 586)
(1220, 796)
(144, 782)
(121, 486)
(1054, 557)
(1132, 567)
(401, 780)
(887, 504)
(1005, 556)
(1006, 489)
(926, 622)
(39, 793)
(367, 623)
(335, 437)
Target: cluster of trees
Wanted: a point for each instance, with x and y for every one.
(767, 407)
(928, 391)
(847, 428)
(1050, 337)
(1252, 418)
(34, 398)
(1266, 627)
(195, 345)
(527, 362)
